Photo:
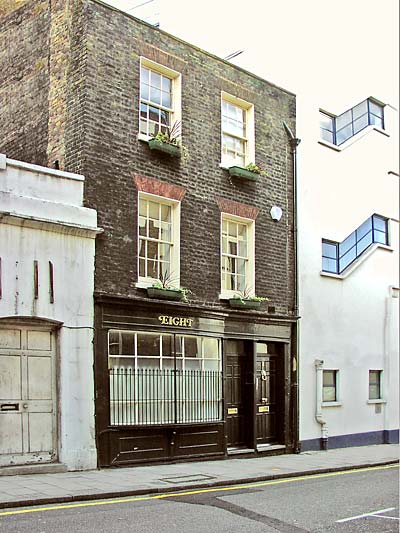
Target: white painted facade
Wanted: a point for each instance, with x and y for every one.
(350, 321)
(46, 318)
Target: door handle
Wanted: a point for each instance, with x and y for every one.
(9, 406)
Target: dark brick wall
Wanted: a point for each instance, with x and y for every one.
(94, 126)
(24, 81)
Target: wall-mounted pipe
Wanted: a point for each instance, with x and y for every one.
(318, 404)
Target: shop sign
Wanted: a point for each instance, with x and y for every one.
(263, 409)
(183, 322)
(232, 411)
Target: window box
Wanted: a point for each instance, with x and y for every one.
(167, 148)
(240, 172)
(238, 303)
(165, 294)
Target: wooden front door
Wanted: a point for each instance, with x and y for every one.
(269, 393)
(27, 396)
(238, 393)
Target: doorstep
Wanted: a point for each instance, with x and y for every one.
(43, 468)
(240, 451)
(270, 447)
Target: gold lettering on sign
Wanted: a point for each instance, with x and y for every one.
(183, 322)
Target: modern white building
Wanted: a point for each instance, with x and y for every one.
(348, 272)
(46, 320)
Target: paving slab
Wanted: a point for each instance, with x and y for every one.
(34, 489)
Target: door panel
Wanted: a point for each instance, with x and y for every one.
(27, 396)
(238, 401)
(269, 389)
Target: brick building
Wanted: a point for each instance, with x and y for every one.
(84, 87)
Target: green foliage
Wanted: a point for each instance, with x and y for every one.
(256, 169)
(246, 295)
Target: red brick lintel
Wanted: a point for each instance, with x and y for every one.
(235, 208)
(159, 188)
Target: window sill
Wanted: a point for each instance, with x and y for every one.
(353, 139)
(377, 401)
(143, 137)
(144, 284)
(357, 262)
(331, 404)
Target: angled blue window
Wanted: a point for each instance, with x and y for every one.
(336, 257)
(339, 129)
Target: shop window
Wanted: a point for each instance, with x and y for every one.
(158, 228)
(336, 257)
(237, 256)
(160, 99)
(237, 131)
(330, 386)
(375, 385)
(163, 378)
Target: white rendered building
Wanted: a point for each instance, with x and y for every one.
(348, 273)
(46, 320)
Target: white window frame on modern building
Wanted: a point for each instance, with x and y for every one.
(248, 257)
(380, 398)
(246, 137)
(172, 111)
(174, 271)
(336, 401)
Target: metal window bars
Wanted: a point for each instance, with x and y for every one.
(155, 396)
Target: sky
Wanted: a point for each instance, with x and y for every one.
(342, 50)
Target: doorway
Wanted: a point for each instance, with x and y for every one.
(269, 393)
(27, 396)
(239, 384)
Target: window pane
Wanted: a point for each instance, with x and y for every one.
(326, 122)
(211, 348)
(376, 121)
(380, 223)
(343, 120)
(113, 343)
(360, 109)
(167, 345)
(142, 226)
(127, 344)
(327, 136)
(144, 91)
(148, 344)
(364, 228)
(192, 346)
(344, 134)
(329, 377)
(329, 250)
(380, 237)
(155, 96)
(376, 109)
(347, 244)
(374, 384)
(360, 124)
(329, 386)
(347, 258)
(364, 243)
(329, 265)
(155, 79)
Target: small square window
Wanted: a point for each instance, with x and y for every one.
(375, 385)
(329, 386)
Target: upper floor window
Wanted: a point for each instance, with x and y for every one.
(338, 130)
(237, 133)
(160, 95)
(336, 257)
(158, 239)
(237, 261)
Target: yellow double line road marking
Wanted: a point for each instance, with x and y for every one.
(195, 491)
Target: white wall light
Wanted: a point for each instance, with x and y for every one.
(276, 213)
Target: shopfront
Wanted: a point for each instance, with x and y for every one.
(175, 382)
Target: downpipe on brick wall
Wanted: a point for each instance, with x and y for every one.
(294, 143)
(318, 404)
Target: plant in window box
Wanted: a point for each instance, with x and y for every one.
(163, 289)
(246, 300)
(168, 142)
(249, 172)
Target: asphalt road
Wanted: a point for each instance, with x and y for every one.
(366, 500)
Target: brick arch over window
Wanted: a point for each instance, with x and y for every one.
(235, 208)
(159, 188)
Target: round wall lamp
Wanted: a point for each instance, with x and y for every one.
(276, 213)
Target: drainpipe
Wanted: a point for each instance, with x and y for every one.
(318, 408)
(294, 143)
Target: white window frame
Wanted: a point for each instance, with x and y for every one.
(144, 282)
(327, 403)
(250, 270)
(380, 399)
(249, 139)
(176, 79)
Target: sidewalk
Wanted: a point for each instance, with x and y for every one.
(35, 489)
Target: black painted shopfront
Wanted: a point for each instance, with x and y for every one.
(176, 382)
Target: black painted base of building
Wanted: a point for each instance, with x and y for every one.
(355, 439)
